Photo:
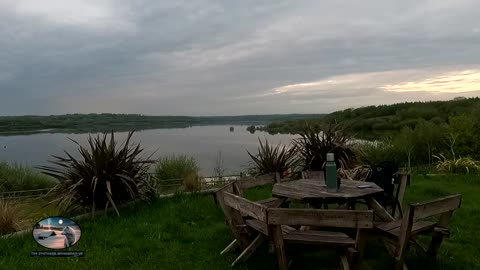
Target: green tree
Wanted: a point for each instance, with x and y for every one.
(461, 136)
(428, 137)
(405, 142)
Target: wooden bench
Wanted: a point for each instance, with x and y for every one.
(361, 220)
(250, 221)
(402, 232)
(235, 219)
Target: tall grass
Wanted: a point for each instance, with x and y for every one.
(10, 220)
(15, 177)
(177, 167)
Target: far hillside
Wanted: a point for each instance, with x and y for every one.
(375, 121)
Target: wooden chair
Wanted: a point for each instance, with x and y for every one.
(404, 231)
(235, 219)
(218, 195)
(400, 188)
(361, 220)
(395, 205)
(249, 224)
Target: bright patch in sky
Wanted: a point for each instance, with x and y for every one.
(95, 14)
(392, 81)
(72, 11)
(451, 82)
(341, 82)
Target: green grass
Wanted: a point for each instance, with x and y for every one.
(15, 177)
(188, 232)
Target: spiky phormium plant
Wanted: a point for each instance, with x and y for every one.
(273, 158)
(314, 145)
(104, 175)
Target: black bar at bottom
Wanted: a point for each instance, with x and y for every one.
(57, 254)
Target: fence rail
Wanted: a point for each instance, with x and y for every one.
(167, 185)
(24, 194)
(201, 183)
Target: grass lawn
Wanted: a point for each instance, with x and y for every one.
(187, 232)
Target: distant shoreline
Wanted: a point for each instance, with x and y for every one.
(96, 123)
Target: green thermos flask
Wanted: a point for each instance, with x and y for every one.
(331, 173)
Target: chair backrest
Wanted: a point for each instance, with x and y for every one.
(219, 194)
(442, 206)
(435, 207)
(262, 180)
(382, 175)
(361, 219)
(313, 174)
(233, 216)
(245, 206)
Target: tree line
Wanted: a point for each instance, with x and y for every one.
(412, 134)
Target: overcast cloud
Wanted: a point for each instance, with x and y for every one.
(233, 57)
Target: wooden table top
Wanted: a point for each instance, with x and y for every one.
(310, 189)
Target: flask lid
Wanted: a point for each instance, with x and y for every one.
(330, 157)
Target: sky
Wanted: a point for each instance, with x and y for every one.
(199, 57)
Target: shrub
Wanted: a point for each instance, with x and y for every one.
(315, 144)
(372, 153)
(192, 182)
(459, 165)
(104, 176)
(176, 167)
(272, 159)
(16, 177)
(9, 216)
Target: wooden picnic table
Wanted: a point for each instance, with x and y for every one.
(315, 190)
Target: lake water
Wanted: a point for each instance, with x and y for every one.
(202, 142)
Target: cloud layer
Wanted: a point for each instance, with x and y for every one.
(233, 57)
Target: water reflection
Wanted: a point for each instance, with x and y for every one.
(202, 142)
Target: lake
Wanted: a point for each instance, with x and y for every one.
(204, 143)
